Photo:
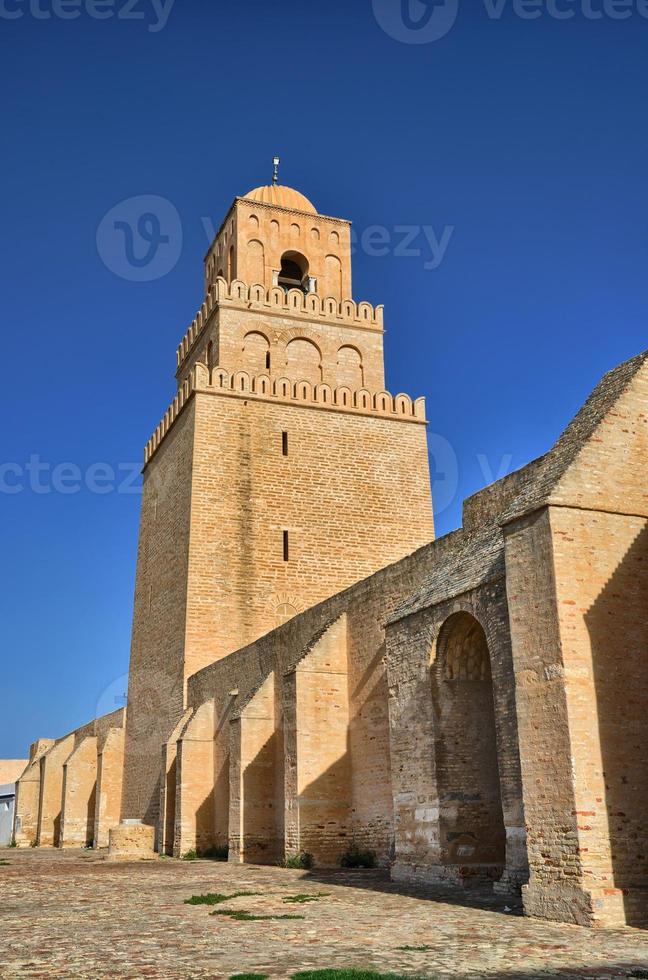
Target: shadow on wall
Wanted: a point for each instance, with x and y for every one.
(618, 628)
(262, 806)
(471, 818)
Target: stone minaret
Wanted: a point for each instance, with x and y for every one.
(281, 474)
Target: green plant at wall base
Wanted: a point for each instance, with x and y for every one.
(302, 861)
(34, 843)
(215, 898)
(355, 857)
(190, 856)
(13, 844)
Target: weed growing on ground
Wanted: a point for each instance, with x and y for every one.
(303, 899)
(190, 856)
(214, 898)
(414, 949)
(249, 976)
(242, 916)
(348, 975)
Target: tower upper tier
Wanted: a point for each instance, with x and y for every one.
(274, 236)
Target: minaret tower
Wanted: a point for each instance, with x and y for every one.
(282, 473)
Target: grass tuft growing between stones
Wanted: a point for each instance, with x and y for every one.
(249, 976)
(303, 899)
(3, 862)
(215, 898)
(190, 856)
(348, 975)
(242, 916)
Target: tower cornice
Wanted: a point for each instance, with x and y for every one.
(240, 385)
(276, 302)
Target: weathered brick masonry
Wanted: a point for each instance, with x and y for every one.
(311, 670)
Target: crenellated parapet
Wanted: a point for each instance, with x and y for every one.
(240, 384)
(293, 303)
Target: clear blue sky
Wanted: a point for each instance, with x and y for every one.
(523, 140)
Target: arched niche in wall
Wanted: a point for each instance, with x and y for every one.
(256, 352)
(465, 746)
(255, 271)
(332, 277)
(303, 361)
(349, 368)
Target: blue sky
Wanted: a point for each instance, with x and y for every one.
(518, 144)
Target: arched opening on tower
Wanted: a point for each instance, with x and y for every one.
(470, 803)
(294, 272)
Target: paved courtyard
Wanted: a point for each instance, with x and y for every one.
(71, 914)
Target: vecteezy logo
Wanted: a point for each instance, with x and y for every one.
(444, 472)
(140, 239)
(416, 21)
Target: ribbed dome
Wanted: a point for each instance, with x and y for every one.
(281, 197)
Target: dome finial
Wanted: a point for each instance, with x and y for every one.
(275, 173)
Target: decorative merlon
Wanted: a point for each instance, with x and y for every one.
(380, 404)
(276, 300)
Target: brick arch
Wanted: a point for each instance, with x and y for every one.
(465, 747)
(255, 351)
(304, 360)
(350, 369)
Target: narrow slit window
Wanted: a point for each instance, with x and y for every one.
(284, 443)
(286, 547)
(268, 361)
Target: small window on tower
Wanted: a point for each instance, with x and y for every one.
(294, 272)
(286, 547)
(284, 443)
(268, 361)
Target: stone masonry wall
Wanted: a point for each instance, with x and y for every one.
(351, 494)
(157, 671)
(601, 574)
(428, 827)
(232, 681)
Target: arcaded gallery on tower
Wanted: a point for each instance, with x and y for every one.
(311, 669)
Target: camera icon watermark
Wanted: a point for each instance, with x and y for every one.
(140, 239)
(416, 21)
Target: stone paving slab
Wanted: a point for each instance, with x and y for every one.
(71, 914)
